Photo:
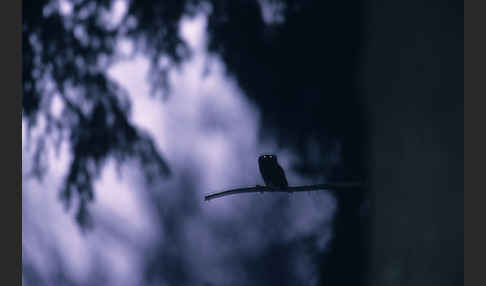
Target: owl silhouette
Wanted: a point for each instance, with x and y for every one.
(273, 175)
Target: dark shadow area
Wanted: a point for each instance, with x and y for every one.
(414, 81)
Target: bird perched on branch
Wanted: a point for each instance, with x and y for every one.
(272, 173)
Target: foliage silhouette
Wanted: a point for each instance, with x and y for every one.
(301, 75)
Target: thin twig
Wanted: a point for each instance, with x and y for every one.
(261, 189)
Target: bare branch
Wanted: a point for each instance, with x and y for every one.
(261, 189)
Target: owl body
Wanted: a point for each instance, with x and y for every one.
(272, 173)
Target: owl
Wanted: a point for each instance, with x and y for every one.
(273, 175)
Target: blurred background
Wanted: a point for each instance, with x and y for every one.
(132, 111)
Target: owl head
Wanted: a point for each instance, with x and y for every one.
(267, 157)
